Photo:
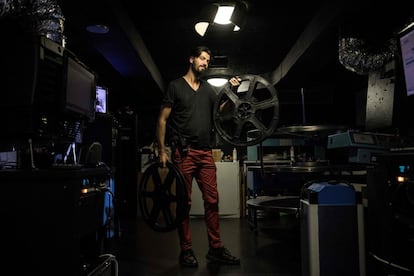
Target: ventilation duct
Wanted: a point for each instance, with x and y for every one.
(45, 15)
(358, 56)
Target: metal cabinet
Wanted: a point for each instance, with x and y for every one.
(228, 181)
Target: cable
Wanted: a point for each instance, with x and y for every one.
(390, 263)
(111, 259)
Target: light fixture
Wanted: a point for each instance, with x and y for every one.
(201, 27)
(217, 81)
(97, 28)
(222, 14)
(407, 27)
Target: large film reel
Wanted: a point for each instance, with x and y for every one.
(253, 108)
(163, 198)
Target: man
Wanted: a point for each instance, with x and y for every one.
(188, 109)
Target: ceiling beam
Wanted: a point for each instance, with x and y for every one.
(323, 20)
(137, 42)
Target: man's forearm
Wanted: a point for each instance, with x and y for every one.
(161, 137)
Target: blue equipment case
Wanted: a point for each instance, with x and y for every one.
(332, 235)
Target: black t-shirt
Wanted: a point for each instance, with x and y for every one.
(191, 111)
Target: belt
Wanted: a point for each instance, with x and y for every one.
(199, 147)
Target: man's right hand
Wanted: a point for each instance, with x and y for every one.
(163, 156)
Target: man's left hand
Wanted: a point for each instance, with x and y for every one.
(235, 81)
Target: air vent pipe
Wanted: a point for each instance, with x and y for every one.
(46, 16)
(358, 56)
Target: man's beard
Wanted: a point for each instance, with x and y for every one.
(198, 72)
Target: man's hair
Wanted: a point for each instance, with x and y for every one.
(196, 52)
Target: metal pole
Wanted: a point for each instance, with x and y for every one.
(303, 106)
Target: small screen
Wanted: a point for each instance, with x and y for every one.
(101, 99)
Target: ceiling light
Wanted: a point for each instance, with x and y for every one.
(223, 15)
(234, 14)
(97, 29)
(201, 28)
(217, 82)
(407, 27)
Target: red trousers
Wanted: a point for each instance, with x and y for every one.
(199, 164)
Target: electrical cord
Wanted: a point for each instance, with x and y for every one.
(390, 263)
(111, 259)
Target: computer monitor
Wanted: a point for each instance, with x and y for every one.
(406, 48)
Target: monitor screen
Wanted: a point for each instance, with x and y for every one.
(101, 102)
(80, 89)
(406, 44)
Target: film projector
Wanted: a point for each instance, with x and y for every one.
(162, 196)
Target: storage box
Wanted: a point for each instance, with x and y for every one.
(217, 155)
